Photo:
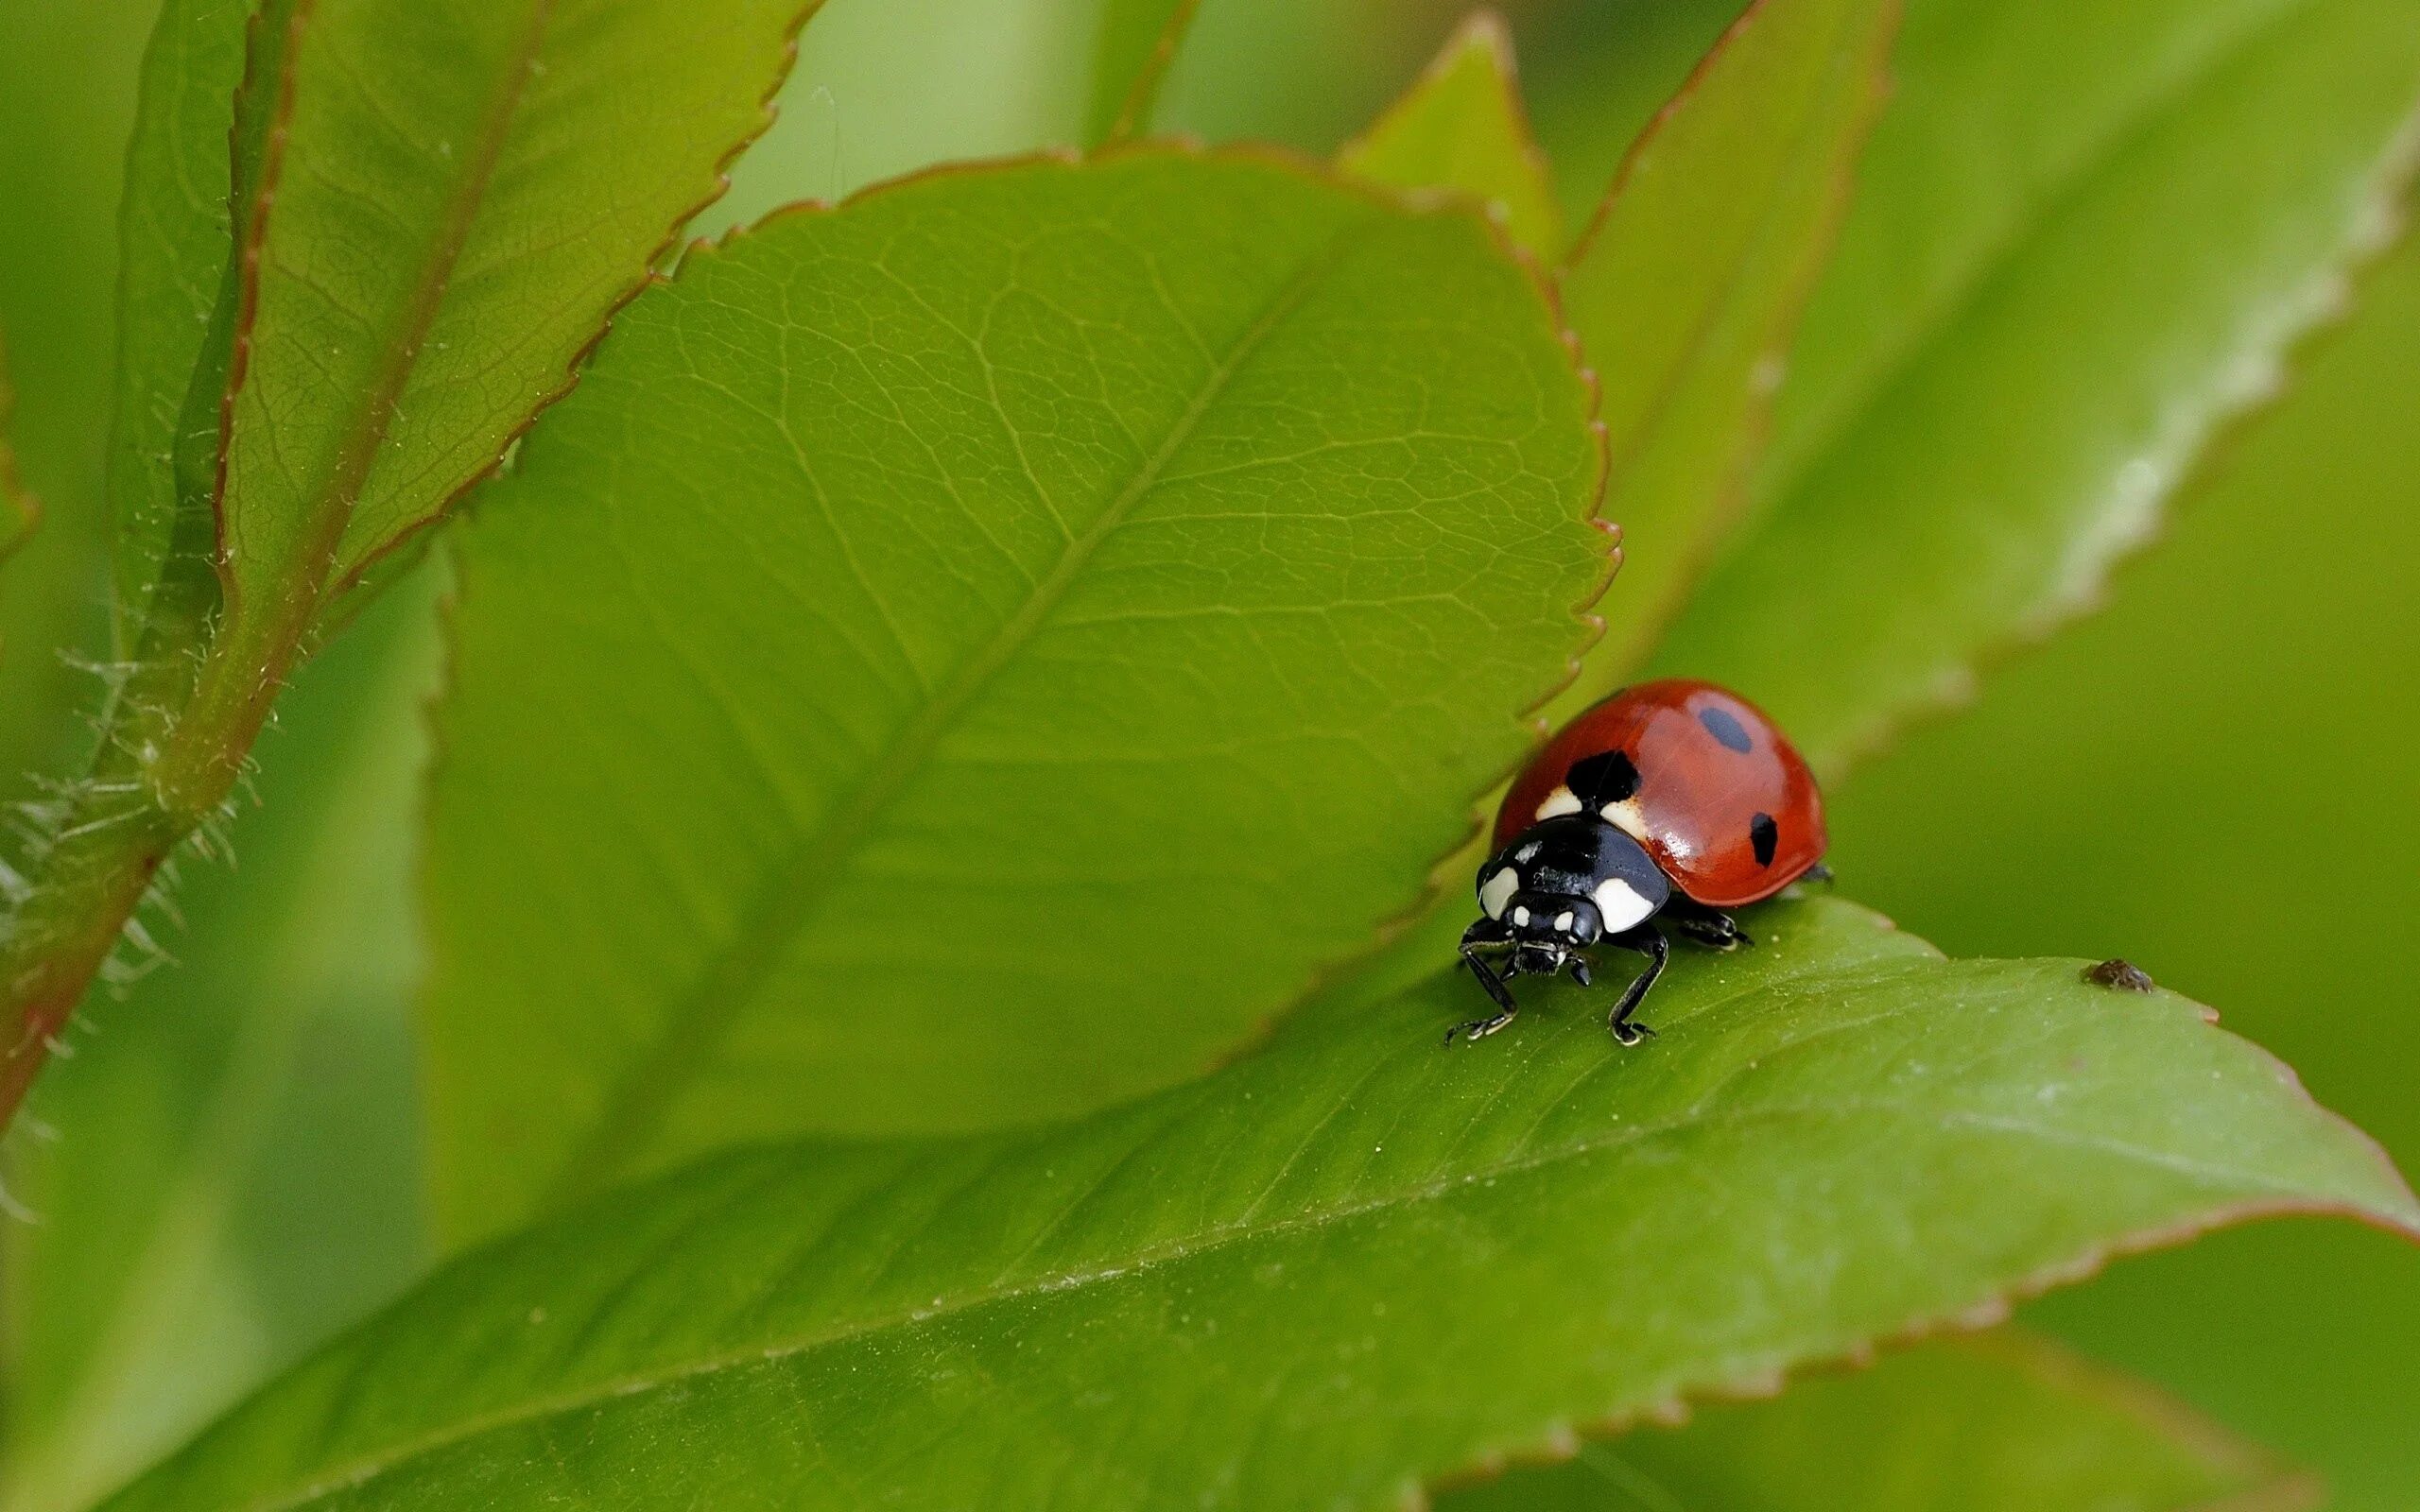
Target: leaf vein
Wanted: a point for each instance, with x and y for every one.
(645, 1090)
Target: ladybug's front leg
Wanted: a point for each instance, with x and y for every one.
(1486, 932)
(1648, 941)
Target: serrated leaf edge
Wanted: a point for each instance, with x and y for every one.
(1728, 511)
(2303, 318)
(1485, 30)
(1757, 1381)
(2283, 1486)
(253, 244)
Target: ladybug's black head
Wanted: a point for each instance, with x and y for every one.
(1553, 920)
(1565, 883)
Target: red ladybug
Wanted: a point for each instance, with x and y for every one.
(1673, 799)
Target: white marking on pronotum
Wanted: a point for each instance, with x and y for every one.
(1620, 906)
(1563, 921)
(1497, 891)
(1559, 801)
(1625, 817)
(1521, 917)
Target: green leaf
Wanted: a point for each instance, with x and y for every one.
(175, 317)
(463, 192)
(1596, 78)
(437, 208)
(882, 90)
(1351, 1263)
(1685, 290)
(1461, 126)
(232, 1169)
(955, 662)
(2006, 373)
(1131, 51)
(2000, 1422)
(1306, 74)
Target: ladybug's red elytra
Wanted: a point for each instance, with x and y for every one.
(1672, 801)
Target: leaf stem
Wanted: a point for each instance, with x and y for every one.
(174, 744)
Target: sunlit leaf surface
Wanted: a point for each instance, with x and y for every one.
(974, 653)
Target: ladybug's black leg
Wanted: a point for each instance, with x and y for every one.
(1648, 941)
(1505, 1006)
(1709, 927)
(1487, 932)
(1818, 872)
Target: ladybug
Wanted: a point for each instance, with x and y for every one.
(1673, 800)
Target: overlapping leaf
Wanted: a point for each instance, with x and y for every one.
(1137, 40)
(1687, 289)
(2081, 242)
(175, 307)
(885, 90)
(1461, 126)
(434, 208)
(461, 195)
(842, 1323)
(1348, 1263)
(974, 653)
(2001, 1422)
(449, 229)
(1683, 292)
(1592, 89)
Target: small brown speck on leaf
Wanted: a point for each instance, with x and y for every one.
(2118, 975)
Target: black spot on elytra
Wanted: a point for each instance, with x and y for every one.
(1763, 833)
(1719, 723)
(1607, 777)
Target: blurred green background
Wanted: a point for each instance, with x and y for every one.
(2212, 777)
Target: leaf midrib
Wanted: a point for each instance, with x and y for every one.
(1993, 262)
(328, 510)
(738, 970)
(2261, 1195)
